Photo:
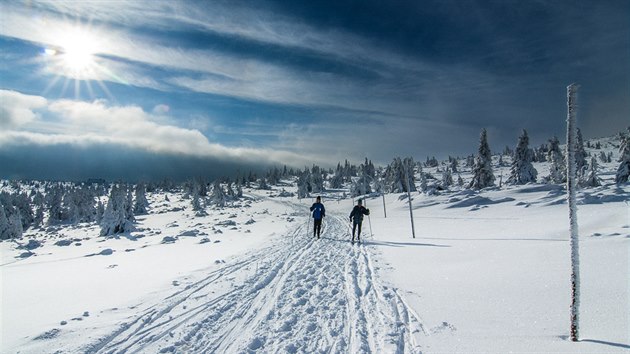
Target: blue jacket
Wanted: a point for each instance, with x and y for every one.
(318, 211)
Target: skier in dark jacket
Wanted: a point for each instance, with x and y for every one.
(318, 214)
(356, 217)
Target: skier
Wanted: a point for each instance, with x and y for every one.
(318, 214)
(356, 218)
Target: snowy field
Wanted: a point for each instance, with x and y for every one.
(488, 272)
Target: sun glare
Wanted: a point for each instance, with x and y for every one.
(76, 53)
(73, 55)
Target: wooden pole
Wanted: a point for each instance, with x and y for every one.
(573, 225)
(413, 229)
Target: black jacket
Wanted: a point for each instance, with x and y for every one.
(357, 213)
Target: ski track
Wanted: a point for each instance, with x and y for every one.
(296, 295)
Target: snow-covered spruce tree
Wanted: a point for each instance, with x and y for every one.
(623, 171)
(336, 181)
(453, 164)
(54, 198)
(470, 161)
(196, 205)
(370, 170)
(100, 211)
(591, 179)
(362, 185)
(482, 170)
(447, 178)
(317, 181)
(79, 205)
(118, 217)
(522, 170)
(10, 223)
(400, 174)
(218, 196)
(304, 183)
(140, 203)
(5, 232)
(239, 189)
(580, 153)
(557, 166)
(262, 184)
(22, 204)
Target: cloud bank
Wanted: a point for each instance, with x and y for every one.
(85, 137)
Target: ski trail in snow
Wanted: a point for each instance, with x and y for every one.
(308, 295)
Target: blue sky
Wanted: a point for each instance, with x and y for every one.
(149, 89)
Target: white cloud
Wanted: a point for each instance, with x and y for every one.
(17, 109)
(90, 123)
(161, 109)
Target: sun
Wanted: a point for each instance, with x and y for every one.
(76, 53)
(72, 54)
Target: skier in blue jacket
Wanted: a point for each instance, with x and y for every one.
(356, 217)
(318, 214)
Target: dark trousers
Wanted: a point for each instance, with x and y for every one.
(317, 227)
(354, 227)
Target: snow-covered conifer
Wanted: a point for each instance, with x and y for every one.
(592, 180)
(482, 170)
(400, 174)
(15, 224)
(304, 184)
(337, 180)
(317, 181)
(470, 161)
(522, 170)
(557, 167)
(196, 204)
(100, 211)
(580, 152)
(623, 171)
(362, 185)
(5, 232)
(140, 201)
(218, 197)
(239, 190)
(55, 210)
(447, 178)
(117, 217)
(262, 184)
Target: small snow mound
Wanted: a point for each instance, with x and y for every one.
(256, 343)
(226, 223)
(106, 252)
(285, 194)
(48, 334)
(26, 254)
(31, 245)
(204, 240)
(250, 221)
(169, 239)
(63, 243)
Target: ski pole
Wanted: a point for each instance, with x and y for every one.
(369, 221)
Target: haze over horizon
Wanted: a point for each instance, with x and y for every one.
(150, 89)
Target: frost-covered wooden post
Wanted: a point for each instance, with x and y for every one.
(384, 209)
(413, 229)
(573, 225)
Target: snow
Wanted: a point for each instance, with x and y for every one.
(489, 271)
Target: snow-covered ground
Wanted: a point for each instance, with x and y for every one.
(487, 272)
